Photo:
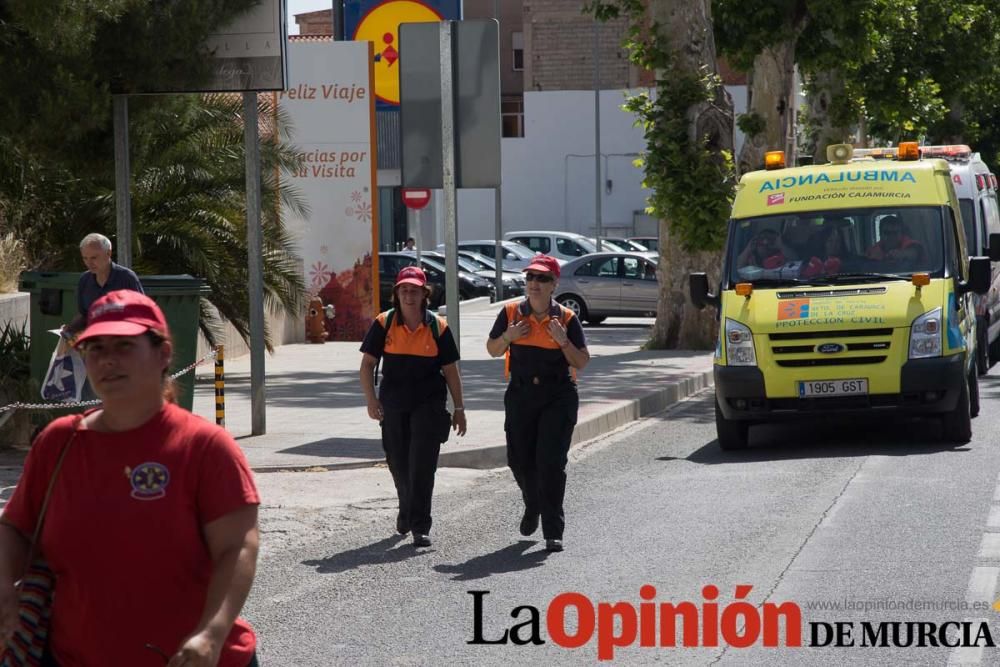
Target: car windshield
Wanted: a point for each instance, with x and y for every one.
(845, 245)
(632, 245)
(483, 263)
(613, 246)
(464, 263)
(521, 251)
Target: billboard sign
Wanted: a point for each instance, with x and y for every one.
(377, 21)
(330, 108)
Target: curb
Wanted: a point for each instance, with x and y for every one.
(655, 401)
(495, 456)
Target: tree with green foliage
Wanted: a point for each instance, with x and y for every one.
(687, 163)
(771, 40)
(885, 69)
(65, 60)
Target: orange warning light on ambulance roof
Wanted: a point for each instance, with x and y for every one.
(774, 160)
(909, 150)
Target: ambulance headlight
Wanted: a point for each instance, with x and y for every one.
(739, 345)
(925, 335)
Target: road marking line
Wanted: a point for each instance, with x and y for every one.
(994, 520)
(990, 546)
(982, 585)
(967, 655)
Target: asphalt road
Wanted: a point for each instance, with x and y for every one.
(822, 513)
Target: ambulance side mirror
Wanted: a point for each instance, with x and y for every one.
(979, 275)
(994, 249)
(700, 296)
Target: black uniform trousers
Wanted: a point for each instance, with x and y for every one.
(411, 441)
(539, 424)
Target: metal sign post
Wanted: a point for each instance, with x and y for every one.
(448, 181)
(497, 218)
(451, 69)
(123, 170)
(597, 135)
(255, 265)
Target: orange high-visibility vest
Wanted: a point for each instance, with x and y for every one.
(538, 337)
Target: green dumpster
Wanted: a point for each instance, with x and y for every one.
(53, 303)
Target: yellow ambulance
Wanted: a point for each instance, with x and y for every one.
(846, 289)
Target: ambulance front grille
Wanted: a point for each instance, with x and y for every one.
(805, 346)
(826, 360)
(830, 335)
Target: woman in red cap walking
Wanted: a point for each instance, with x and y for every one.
(545, 345)
(420, 362)
(149, 513)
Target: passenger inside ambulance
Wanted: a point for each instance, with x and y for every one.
(832, 255)
(799, 238)
(763, 250)
(895, 245)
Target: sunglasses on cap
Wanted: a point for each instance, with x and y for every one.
(538, 277)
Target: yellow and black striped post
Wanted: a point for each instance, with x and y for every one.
(220, 386)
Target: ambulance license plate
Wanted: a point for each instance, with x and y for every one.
(819, 388)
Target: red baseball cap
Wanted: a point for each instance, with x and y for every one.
(545, 264)
(123, 313)
(411, 275)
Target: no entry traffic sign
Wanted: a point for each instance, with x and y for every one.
(416, 198)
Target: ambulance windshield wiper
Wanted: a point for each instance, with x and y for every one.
(849, 277)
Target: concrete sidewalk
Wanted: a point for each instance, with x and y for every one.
(316, 414)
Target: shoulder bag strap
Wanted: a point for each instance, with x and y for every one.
(33, 550)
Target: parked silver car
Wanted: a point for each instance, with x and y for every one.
(598, 285)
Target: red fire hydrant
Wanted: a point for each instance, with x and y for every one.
(316, 321)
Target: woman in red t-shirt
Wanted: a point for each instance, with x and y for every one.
(151, 528)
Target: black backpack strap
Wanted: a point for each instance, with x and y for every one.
(388, 323)
(434, 324)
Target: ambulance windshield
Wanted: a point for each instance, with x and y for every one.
(838, 245)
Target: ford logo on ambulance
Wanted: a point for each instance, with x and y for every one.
(830, 348)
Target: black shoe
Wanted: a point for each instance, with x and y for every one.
(402, 524)
(420, 540)
(529, 523)
(553, 545)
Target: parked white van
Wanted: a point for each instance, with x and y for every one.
(564, 246)
(976, 188)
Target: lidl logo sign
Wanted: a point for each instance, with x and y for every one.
(377, 21)
(794, 309)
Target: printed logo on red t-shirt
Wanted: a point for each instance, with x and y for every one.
(149, 480)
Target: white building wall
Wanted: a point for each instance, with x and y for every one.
(548, 175)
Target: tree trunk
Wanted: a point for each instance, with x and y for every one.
(769, 91)
(687, 30)
(823, 90)
(679, 325)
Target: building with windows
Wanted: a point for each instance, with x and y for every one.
(548, 53)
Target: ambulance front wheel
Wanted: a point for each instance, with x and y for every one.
(956, 426)
(732, 433)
